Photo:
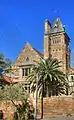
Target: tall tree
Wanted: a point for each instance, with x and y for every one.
(8, 64)
(51, 81)
(2, 62)
(2, 66)
(5, 63)
(5, 66)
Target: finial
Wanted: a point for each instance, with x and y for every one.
(46, 20)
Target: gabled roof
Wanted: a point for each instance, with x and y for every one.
(40, 54)
(57, 26)
(30, 53)
(57, 22)
(6, 79)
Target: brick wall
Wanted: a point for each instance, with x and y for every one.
(53, 106)
(8, 109)
(57, 106)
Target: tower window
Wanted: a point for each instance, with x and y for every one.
(56, 40)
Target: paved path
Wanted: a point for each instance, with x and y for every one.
(60, 118)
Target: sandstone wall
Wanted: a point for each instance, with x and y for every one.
(57, 106)
(53, 106)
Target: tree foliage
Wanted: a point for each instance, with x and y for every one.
(5, 66)
(17, 93)
(5, 63)
(51, 81)
(13, 92)
(50, 76)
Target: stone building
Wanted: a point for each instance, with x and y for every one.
(25, 61)
(56, 46)
(71, 81)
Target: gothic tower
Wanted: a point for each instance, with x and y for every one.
(56, 44)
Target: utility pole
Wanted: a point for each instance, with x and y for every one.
(35, 118)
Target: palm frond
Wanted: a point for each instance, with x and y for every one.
(48, 73)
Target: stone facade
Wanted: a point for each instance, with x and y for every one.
(53, 106)
(57, 106)
(71, 81)
(56, 46)
(25, 61)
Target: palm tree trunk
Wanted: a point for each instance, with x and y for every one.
(42, 102)
(36, 96)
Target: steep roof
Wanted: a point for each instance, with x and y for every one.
(6, 79)
(57, 23)
(40, 54)
(30, 53)
(57, 26)
(28, 45)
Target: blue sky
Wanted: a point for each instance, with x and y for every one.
(22, 21)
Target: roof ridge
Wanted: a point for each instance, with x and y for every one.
(41, 55)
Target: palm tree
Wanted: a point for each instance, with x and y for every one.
(51, 80)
